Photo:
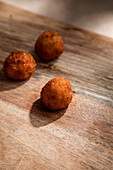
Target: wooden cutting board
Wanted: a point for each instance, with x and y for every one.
(78, 137)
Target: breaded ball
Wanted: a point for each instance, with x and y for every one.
(19, 65)
(57, 93)
(49, 45)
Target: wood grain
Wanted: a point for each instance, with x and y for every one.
(78, 137)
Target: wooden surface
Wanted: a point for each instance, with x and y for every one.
(78, 137)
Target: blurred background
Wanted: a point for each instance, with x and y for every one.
(93, 15)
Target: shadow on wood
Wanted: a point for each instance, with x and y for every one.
(41, 63)
(42, 116)
(8, 84)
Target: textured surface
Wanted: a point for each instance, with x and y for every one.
(78, 137)
(19, 65)
(57, 93)
(49, 45)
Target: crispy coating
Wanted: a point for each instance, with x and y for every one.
(57, 93)
(49, 45)
(19, 65)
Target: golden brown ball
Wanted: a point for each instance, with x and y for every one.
(57, 93)
(49, 45)
(19, 65)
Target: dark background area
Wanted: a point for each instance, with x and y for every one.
(94, 15)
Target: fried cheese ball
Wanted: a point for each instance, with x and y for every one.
(19, 65)
(57, 93)
(49, 45)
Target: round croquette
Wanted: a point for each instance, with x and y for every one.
(57, 93)
(49, 45)
(19, 65)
